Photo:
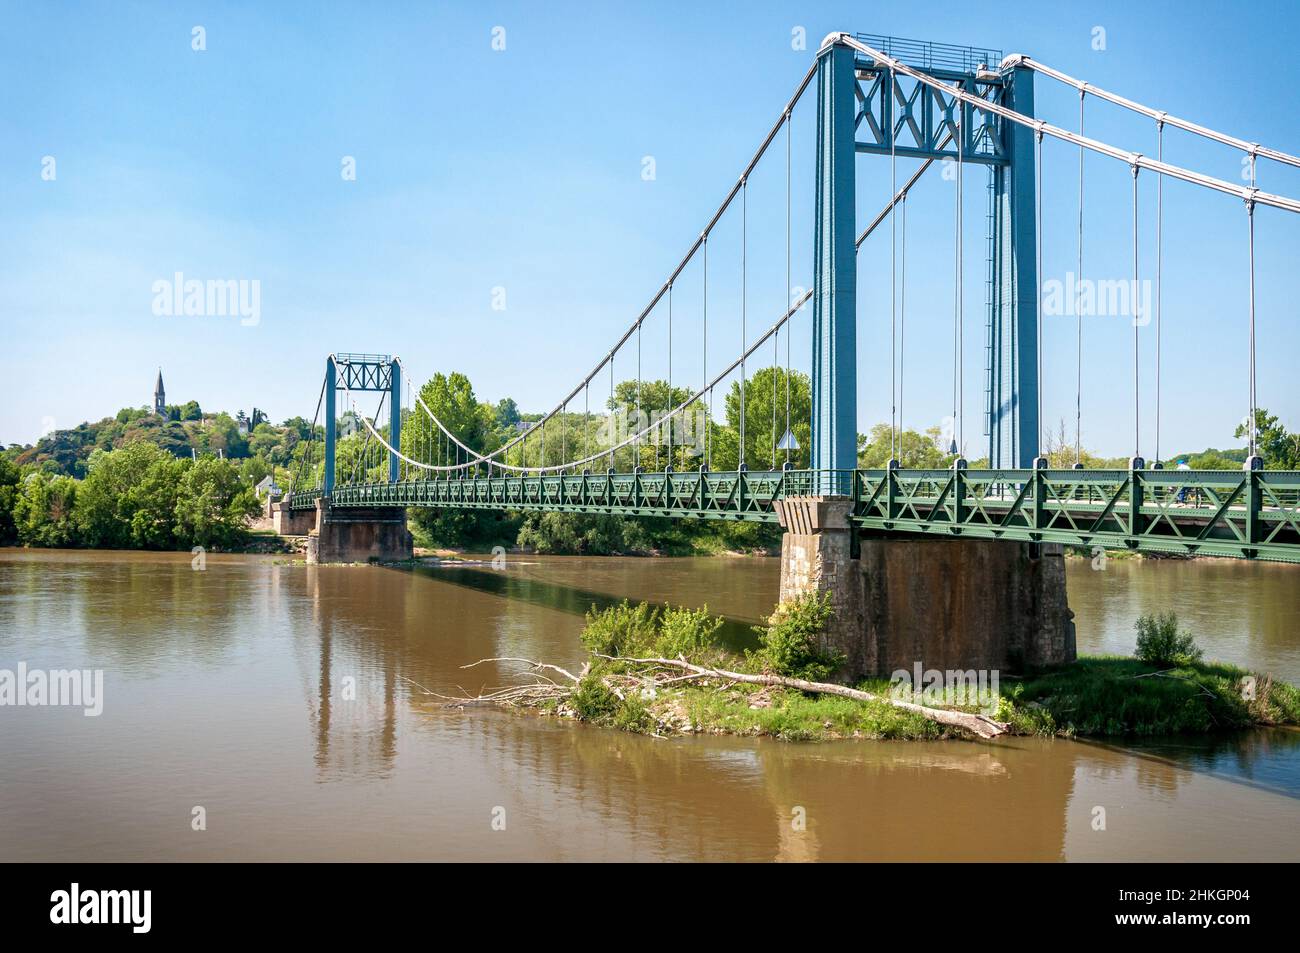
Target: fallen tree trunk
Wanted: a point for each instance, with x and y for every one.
(977, 724)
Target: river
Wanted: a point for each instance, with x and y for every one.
(284, 708)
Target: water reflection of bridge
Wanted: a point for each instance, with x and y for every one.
(575, 791)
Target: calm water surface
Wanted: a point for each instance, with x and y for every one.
(225, 689)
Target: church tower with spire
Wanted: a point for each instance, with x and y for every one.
(159, 397)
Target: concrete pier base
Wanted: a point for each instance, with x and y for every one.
(358, 535)
(943, 602)
(289, 522)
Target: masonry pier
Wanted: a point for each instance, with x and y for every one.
(290, 522)
(358, 534)
(947, 603)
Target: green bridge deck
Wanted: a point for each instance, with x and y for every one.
(1252, 515)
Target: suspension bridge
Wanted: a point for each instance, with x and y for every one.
(924, 102)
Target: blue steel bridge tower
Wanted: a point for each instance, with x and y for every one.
(864, 107)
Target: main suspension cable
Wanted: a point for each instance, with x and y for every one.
(1251, 148)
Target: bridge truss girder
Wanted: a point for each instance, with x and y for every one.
(1252, 514)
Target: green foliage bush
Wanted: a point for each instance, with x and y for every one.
(790, 645)
(1160, 642)
(623, 629)
(687, 633)
(646, 630)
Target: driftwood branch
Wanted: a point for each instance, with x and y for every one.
(981, 725)
(529, 662)
(545, 689)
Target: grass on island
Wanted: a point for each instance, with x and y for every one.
(1165, 689)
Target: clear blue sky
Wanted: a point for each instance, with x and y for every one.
(522, 169)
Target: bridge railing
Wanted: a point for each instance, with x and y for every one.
(1229, 513)
(1233, 513)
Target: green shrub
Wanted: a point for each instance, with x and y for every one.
(1160, 642)
(790, 645)
(686, 633)
(593, 701)
(623, 629)
(633, 715)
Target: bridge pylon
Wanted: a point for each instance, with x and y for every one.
(867, 105)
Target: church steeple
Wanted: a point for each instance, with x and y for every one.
(159, 396)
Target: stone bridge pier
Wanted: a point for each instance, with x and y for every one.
(943, 602)
(351, 534)
(289, 522)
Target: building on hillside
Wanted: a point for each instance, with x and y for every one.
(269, 492)
(248, 424)
(159, 397)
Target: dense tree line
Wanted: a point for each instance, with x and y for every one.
(184, 478)
(136, 497)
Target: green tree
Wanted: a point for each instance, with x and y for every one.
(765, 421)
(636, 406)
(506, 412)
(213, 504)
(44, 510)
(222, 434)
(451, 398)
(914, 451)
(128, 497)
(153, 504)
(1279, 449)
(8, 497)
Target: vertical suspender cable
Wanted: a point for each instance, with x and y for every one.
(961, 305)
(1078, 312)
(893, 273)
(1250, 215)
(744, 266)
(1038, 271)
(671, 402)
(776, 363)
(956, 286)
(902, 322)
(708, 420)
(787, 280)
(636, 442)
(1133, 306)
(1160, 220)
(1250, 212)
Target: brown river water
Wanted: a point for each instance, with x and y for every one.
(230, 690)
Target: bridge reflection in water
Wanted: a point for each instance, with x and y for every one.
(571, 791)
(225, 688)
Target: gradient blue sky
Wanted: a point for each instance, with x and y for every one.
(522, 169)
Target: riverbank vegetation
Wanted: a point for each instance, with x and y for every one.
(137, 497)
(662, 671)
